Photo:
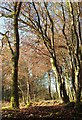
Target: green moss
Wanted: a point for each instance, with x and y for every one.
(7, 108)
(28, 104)
(12, 101)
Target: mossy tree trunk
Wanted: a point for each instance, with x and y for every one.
(76, 52)
(15, 58)
(79, 83)
(14, 91)
(62, 93)
(78, 35)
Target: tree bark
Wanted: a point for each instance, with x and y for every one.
(15, 58)
(60, 86)
(50, 94)
(14, 91)
(79, 89)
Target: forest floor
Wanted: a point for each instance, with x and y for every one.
(44, 110)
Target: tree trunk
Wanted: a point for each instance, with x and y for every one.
(61, 86)
(73, 77)
(14, 92)
(50, 95)
(78, 93)
(28, 92)
(63, 93)
(56, 76)
(15, 57)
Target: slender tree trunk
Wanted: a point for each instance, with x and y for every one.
(73, 78)
(79, 89)
(28, 92)
(50, 95)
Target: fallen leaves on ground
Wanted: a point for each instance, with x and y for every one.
(42, 111)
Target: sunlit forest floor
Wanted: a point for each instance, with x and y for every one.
(44, 110)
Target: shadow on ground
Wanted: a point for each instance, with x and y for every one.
(56, 112)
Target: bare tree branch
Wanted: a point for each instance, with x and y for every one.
(7, 41)
(19, 8)
(6, 8)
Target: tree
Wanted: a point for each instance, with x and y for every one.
(75, 45)
(15, 57)
(41, 20)
(15, 52)
(58, 34)
(33, 64)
